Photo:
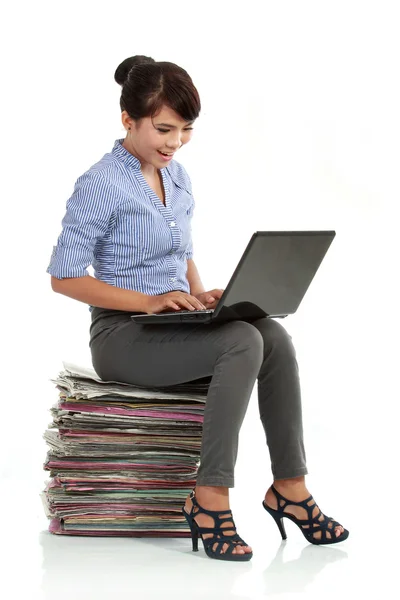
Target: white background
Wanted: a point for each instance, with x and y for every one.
(299, 129)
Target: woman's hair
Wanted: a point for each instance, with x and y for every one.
(147, 85)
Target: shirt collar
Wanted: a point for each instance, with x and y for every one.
(126, 157)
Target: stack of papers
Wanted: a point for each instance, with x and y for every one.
(122, 458)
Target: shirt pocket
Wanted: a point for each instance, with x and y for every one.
(184, 213)
(185, 200)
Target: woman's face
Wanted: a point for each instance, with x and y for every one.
(166, 132)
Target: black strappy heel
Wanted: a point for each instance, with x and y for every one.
(309, 526)
(219, 537)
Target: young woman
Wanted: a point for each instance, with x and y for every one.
(130, 217)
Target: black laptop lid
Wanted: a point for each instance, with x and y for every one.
(275, 272)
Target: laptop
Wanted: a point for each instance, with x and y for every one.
(270, 280)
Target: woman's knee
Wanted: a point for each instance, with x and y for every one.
(274, 336)
(243, 336)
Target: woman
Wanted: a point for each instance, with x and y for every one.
(129, 216)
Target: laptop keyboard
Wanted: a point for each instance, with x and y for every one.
(189, 312)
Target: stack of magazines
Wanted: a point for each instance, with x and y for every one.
(122, 458)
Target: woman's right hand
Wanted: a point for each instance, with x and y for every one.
(172, 301)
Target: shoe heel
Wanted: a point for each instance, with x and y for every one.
(194, 531)
(281, 526)
(278, 520)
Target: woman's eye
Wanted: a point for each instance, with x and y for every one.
(166, 130)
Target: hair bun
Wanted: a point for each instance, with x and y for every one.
(122, 72)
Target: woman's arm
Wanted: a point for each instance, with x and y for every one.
(193, 277)
(98, 293)
(89, 212)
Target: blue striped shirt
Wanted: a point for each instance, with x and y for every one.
(115, 222)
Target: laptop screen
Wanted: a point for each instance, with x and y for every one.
(275, 272)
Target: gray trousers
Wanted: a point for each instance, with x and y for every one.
(233, 355)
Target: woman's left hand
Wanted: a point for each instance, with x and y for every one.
(209, 299)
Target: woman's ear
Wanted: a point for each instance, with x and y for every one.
(126, 120)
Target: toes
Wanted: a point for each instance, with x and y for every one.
(339, 530)
(238, 549)
(243, 549)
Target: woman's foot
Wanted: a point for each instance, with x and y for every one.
(214, 498)
(295, 489)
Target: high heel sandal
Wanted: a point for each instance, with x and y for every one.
(218, 538)
(309, 527)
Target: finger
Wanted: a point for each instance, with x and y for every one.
(196, 303)
(199, 306)
(186, 304)
(174, 305)
(190, 302)
(216, 294)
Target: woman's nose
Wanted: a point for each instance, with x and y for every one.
(175, 142)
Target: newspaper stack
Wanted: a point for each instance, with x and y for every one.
(122, 458)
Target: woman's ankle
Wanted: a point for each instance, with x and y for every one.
(292, 483)
(213, 494)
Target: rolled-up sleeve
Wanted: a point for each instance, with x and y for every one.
(86, 220)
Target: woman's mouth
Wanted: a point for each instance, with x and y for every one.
(165, 156)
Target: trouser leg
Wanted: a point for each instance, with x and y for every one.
(163, 355)
(279, 400)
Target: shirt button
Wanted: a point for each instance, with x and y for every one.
(173, 279)
(172, 224)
